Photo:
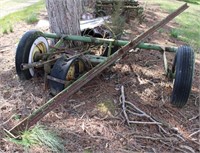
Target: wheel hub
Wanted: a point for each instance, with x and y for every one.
(66, 70)
(38, 52)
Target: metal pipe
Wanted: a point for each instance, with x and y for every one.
(39, 64)
(147, 46)
(96, 59)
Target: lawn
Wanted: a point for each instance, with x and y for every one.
(28, 14)
(10, 6)
(189, 21)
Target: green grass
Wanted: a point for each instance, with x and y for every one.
(40, 136)
(33, 18)
(174, 33)
(5, 31)
(189, 29)
(29, 14)
(11, 28)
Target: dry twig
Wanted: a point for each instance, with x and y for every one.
(139, 112)
(7, 120)
(176, 148)
(187, 148)
(194, 117)
(194, 133)
(122, 100)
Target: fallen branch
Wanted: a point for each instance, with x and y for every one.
(122, 100)
(7, 120)
(194, 117)
(139, 112)
(176, 148)
(187, 148)
(154, 138)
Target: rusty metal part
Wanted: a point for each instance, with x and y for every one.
(39, 64)
(75, 86)
(39, 50)
(71, 72)
(57, 80)
(25, 66)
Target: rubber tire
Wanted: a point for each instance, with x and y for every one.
(59, 71)
(22, 53)
(184, 70)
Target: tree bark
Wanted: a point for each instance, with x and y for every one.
(64, 16)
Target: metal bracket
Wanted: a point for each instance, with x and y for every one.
(168, 72)
(109, 49)
(165, 62)
(57, 80)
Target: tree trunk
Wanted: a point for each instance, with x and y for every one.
(64, 16)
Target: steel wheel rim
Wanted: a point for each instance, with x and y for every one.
(40, 45)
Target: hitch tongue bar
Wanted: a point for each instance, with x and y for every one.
(75, 86)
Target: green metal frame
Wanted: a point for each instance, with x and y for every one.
(111, 42)
(114, 42)
(94, 59)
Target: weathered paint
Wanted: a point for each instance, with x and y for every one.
(147, 46)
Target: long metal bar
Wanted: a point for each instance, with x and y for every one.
(39, 64)
(108, 41)
(74, 87)
(25, 66)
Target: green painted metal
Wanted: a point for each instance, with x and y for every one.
(95, 59)
(109, 50)
(147, 46)
(58, 44)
